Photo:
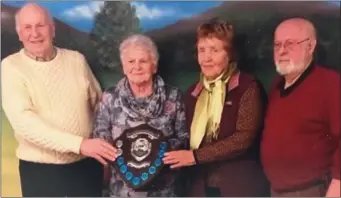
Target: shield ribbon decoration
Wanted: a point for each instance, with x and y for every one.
(140, 151)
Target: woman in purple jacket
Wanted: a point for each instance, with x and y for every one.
(224, 111)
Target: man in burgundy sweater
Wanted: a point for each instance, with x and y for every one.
(301, 140)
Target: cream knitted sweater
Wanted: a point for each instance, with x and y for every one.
(49, 105)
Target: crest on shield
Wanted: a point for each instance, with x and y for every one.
(140, 151)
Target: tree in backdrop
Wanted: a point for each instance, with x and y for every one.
(115, 21)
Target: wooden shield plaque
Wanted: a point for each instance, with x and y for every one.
(140, 151)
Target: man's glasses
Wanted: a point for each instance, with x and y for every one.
(288, 44)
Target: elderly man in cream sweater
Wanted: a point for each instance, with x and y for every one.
(49, 95)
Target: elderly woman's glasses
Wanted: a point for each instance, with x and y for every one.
(288, 44)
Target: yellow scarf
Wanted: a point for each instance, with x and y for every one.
(209, 108)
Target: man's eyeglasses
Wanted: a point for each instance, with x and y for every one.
(288, 44)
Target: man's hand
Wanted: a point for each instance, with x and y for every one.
(98, 149)
(179, 159)
(334, 188)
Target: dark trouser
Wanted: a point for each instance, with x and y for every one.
(79, 179)
(212, 192)
(318, 189)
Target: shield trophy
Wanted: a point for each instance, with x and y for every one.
(140, 151)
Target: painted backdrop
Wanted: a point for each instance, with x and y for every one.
(96, 28)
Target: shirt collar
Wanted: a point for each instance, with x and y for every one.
(304, 75)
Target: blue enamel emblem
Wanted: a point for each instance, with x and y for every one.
(163, 145)
(120, 161)
(161, 153)
(144, 176)
(136, 181)
(157, 162)
(123, 168)
(152, 170)
(129, 175)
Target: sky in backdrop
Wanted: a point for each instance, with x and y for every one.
(152, 14)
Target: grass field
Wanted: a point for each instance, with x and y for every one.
(10, 182)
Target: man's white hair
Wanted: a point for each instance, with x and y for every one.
(17, 14)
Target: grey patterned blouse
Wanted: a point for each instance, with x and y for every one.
(163, 110)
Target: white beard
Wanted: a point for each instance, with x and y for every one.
(285, 69)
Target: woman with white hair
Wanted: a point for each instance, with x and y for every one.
(141, 97)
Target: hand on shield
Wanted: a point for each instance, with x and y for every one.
(179, 158)
(98, 149)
